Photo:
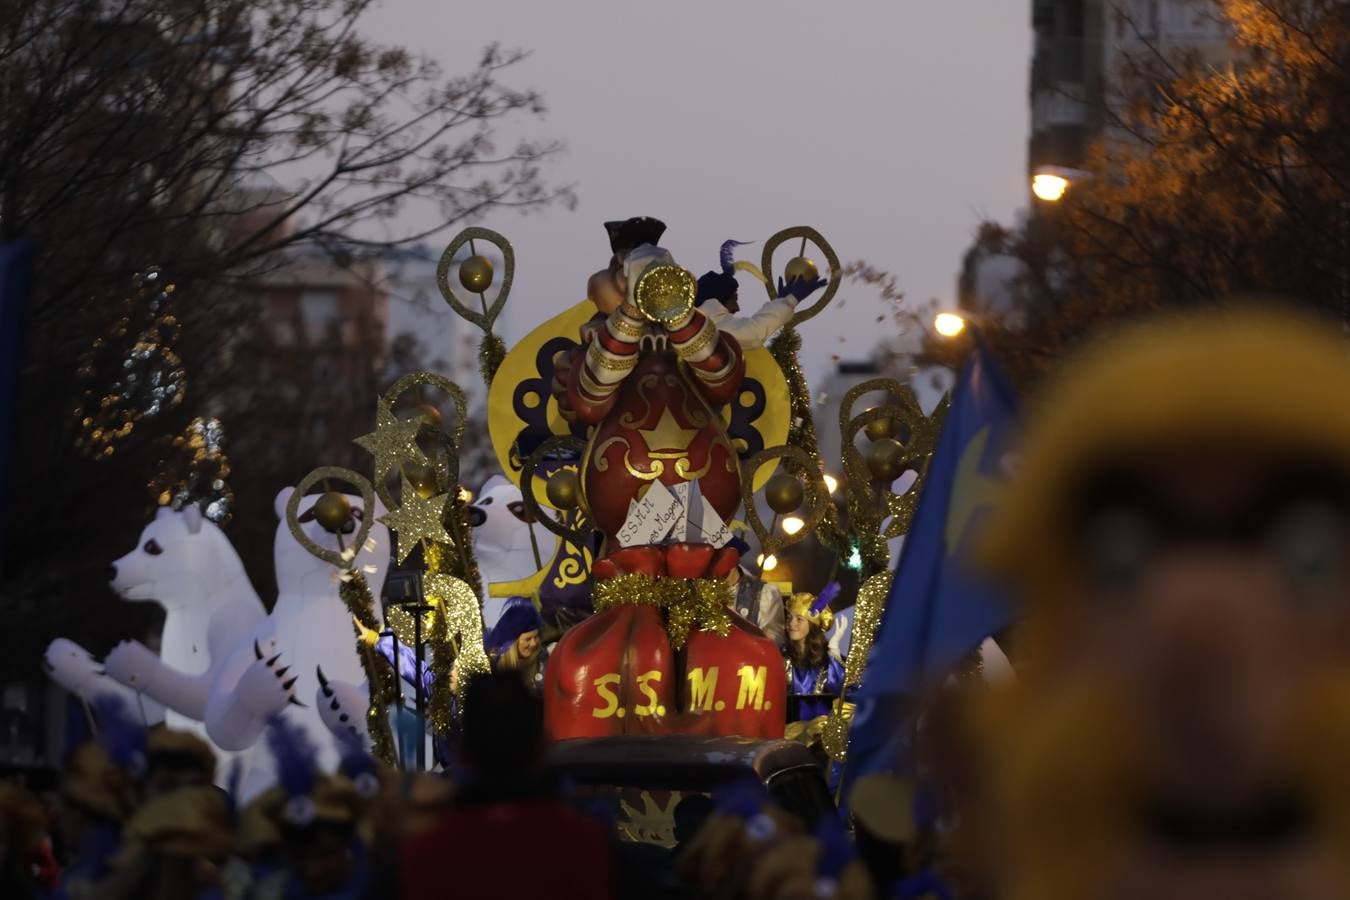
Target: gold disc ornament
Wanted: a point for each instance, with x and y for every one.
(665, 294)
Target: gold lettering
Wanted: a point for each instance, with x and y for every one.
(753, 680)
(702, 689)
(653, 706)
(604, 686)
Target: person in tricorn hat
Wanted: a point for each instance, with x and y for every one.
(625, 236)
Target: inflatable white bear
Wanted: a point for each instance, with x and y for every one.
(186, 564)
(501, 542)
(253, 665)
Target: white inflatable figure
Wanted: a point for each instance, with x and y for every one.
(278, 658)
(187, 565)
(501, 542)
(75, 669)
(183, 562)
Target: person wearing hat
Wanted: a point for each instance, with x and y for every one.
(175, 759)
(317, 817)
(507, 830)
(814, 676)
(719, 299)
(175, 846)
(1178, 534)
(606, 288)
(757, 601)
(514, 645)
(98, 794)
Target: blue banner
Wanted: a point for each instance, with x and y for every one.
(939, 609)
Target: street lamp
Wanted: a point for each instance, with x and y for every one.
(949, 324)
(1051, 183)
(1048, 187)
(767, 563)
(792, 525)
(831, 483)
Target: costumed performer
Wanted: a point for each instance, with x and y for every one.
(811, 670)
(513, 645)
(719, 299)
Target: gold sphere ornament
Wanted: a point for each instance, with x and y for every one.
(564, 490)
(880, 428)
(783, 493)
(423, 479)
(885, 459)
(799, 267)
(475, 273)
(332, 511)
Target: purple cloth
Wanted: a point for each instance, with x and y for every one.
(826, 679)
(407, 662)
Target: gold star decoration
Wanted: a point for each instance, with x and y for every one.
(417, 519)
(392, 441)
(667, 436)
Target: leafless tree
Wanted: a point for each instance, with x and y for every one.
(215, 139)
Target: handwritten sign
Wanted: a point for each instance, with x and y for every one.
(704, 524)
(651, 518)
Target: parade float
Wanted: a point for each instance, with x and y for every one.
(642, 448)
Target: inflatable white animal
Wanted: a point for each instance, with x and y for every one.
(501, 541)
(259, 665)
(184, 563)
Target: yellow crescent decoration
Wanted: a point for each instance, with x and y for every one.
(520, 365)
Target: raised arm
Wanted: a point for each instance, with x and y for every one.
(607, 354)
(752, 332)
(714, 357)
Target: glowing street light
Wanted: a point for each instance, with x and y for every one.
(1051, 183)
(1049, 187)
(948, 324)
(792, 525)
(831, 483)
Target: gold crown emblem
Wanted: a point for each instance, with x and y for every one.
(665, 293)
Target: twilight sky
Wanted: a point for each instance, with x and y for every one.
(892, 126)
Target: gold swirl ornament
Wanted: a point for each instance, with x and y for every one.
(366, 522)
(802, 266)
(814, 487)
(486, 315)
(665, 294)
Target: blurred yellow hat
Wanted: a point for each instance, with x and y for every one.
(1264, 382)
(91, 780)
(193, 822)
(163, 742)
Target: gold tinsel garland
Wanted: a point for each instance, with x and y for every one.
(491, 352)
(439, 705)
(355, 594)
(689, 602)
(802, 430)
(866, 617)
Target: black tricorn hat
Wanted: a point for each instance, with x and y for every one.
(628, 234)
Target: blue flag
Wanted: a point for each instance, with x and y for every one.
(938, 609)
(16, 262)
